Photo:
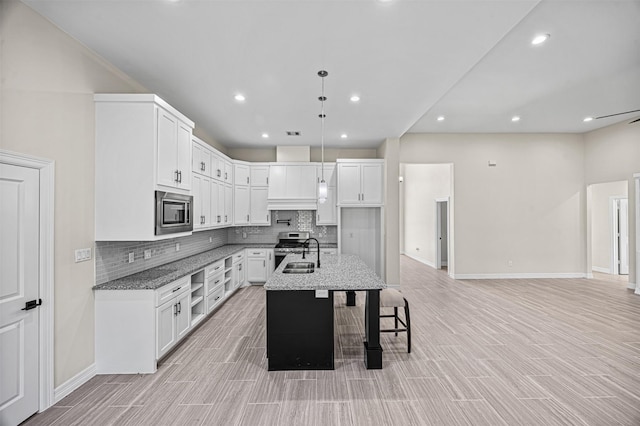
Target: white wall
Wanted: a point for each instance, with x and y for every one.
(613, 154)
(601, 230)
(529, 210)
(423, 184)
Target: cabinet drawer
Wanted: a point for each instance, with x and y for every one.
(238, 257)
(215, 298)
(214, 282)
(328, 251)
(215, 268)
(256, 252)
(170, 291)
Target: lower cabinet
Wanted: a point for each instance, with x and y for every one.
(173, 321)
(135, 328)
(260, 265)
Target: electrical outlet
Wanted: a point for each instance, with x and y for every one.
(210, 239)
(147, 254)
(132, 257)
(510, 263)
(82, 255)
(177, 246)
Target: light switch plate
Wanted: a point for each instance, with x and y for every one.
(132, 257)
(322, 294)
(177, 246)
(147, 254)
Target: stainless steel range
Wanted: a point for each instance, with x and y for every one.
(289, 242)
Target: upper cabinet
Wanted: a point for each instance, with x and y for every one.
(360, 182)
(142, 145)
(259, 175)
(241, 173)
(292, 186)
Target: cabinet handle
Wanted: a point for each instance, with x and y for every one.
(176, 289)
(267, 180)
(267, 217)
(264, 263)
(240, 267)
(202, 166)
(217, 298)
(176, 175)
(179, 307)
(175, 310)
(219, 218)
(225, 218)
(363, 196)
(225, 175)
(179, 180)
(219, 173)
(269, 255)
(318, 218)
(247, 218)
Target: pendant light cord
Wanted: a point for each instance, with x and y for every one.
(322, 75)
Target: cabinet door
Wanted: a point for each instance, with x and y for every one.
(197, 153)
(301, 182)
(260, 176)
(183, 155)
(241, 174)
(165, 327)
(371, 184)
(197, 201)
(183, 318)
(216, 209)
(241, 199)
(228, 204)
(327, 211)
(168, 149)
(228, 171)
(277, 181)
(330, 175)
(217, 166)
(258, 206)
(256, 269)
(349, 184)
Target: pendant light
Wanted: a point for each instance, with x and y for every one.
(322, 186)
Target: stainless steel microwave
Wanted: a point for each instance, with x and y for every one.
(173, 213)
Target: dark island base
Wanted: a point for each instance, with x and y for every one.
(299, 331)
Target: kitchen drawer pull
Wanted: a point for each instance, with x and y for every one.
(219, 173)
(217, 298)
(176, 289)
(179, 307)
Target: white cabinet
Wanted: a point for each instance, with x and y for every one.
(174, 151)
(260, 264)
(202, 158)
(202, 217)
(360, 182)
(292, 186)
(173, 316)
(214, 285)
(228, 204)
(259, 175)
(228, 171)
(141, 142)
(241, 202)
(238, 275)
(241, 174)
(259, 213)
(327, 213)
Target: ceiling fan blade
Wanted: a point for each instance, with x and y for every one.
(637, 119)
(620, 113)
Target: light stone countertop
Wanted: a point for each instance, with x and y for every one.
(336, 272)
(157, 277)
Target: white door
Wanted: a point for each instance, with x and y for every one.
(623, 229)
(19, 275)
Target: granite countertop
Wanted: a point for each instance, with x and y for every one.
(157, 277)
(337, 272)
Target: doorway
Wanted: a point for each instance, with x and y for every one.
(619, 236)
(442, 233)
(26, 286)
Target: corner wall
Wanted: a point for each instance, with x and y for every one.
(47, 110)
(523, 218)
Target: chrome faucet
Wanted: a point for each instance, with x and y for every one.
(306, 244)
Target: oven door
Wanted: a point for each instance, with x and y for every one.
(280, 258)
(173, 213)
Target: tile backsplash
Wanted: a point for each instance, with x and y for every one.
(112, 257)
(301, 220)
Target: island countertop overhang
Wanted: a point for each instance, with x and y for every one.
(337, 272)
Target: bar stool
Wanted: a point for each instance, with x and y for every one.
(392, 298)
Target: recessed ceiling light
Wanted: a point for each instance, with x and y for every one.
(239, 97)
(515, 118)
(343, 136)
(265, 135)
(355, 98)
(539, 39)
(441, 118)
(587, 119)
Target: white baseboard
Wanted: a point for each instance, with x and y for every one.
(519, 276)
(601, 269)
(631, 286)
(74, 383)
(590, 275)
(417, 259)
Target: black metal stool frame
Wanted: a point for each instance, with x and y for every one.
(407, 325)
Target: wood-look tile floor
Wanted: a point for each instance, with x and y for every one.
(485, 352)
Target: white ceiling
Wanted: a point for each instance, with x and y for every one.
(410, 61)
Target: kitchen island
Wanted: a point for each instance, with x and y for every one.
(300, 325)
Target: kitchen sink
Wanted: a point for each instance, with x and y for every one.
(299, 268)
